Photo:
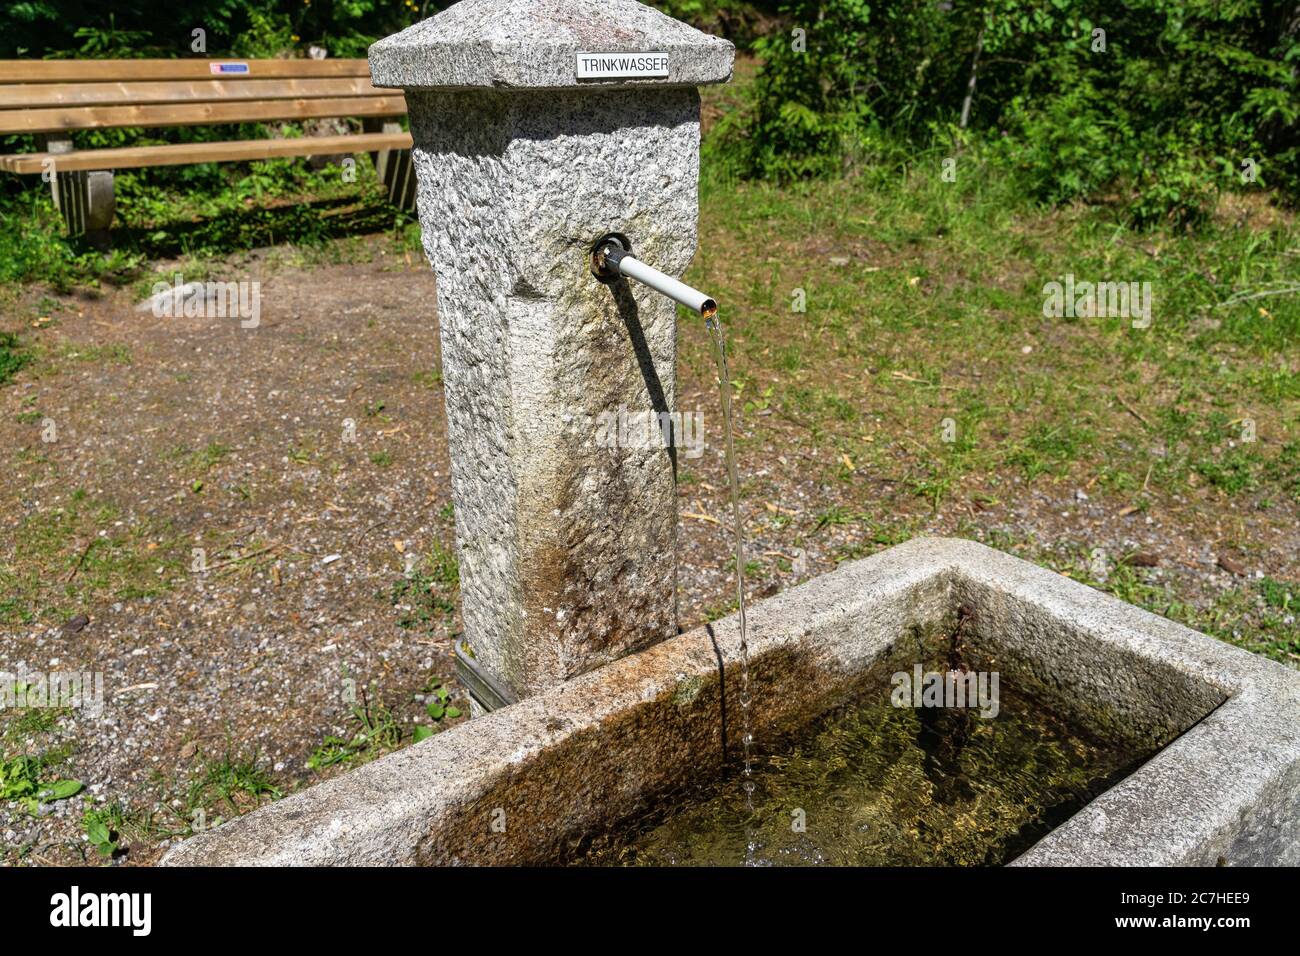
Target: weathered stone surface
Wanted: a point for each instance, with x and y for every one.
(526, 783)
(503, 44)
(567, 547)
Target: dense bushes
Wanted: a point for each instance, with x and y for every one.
(1164, 100)
(162, 28)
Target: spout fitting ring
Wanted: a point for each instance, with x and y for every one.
(606, 254)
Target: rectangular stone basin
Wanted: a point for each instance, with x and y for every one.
(539, 780)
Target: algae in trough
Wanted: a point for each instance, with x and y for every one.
(872, 784)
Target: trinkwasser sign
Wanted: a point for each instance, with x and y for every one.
(610, 66)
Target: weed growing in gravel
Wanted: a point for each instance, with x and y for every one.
(377, 733)
(1279, 594)
(100, 832)
(239, 784)
(439, 707)
(28, 778)
(428, 592)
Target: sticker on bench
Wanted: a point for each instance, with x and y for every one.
(228, 67)
(614, 66)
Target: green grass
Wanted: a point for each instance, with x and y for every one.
(376, 732)
(13, 356)
(427, 594)
(938, 313)
(199, 214)
(30, 755)
(209, 457)
(227, 785)
(63, 558)
(1234, 615)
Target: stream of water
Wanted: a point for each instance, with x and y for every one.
(714, 325)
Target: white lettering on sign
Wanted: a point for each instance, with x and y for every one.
(610, 66)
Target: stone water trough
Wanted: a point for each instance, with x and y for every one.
(538, 127)
(533, 782)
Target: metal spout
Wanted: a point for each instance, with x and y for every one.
(612, 257)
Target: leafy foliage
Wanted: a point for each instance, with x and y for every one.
(44, 28)
(1165, 100)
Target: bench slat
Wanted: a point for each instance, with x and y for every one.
(76, 71)
(30, 95)
(180, 154)
(54, 119)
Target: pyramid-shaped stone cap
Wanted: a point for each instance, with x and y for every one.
(534, 44)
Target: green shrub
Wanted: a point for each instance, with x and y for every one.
(1160, 100)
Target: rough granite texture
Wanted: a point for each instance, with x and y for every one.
(531, 782)
(500, 44)
(567, 548)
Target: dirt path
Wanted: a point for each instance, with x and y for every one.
(177, 434)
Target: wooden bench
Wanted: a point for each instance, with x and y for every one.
(52, 98)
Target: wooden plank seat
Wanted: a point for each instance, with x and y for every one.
(52, 98)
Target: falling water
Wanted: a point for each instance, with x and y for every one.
(724, 389)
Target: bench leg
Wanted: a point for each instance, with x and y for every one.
(394, 168)
(85, 198)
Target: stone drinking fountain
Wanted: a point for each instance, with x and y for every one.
(540, 127)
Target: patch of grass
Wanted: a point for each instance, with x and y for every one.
(427, 593)
(202, 212)
(1231, 473)
(924, 301)
(209, 457)
(377, 732)
(13, 356)
(29, 759)
(834, 516)
(66, 558)
(229, 784)
(1233, 616)
(1050, 449)
(1279, 594)
(116, 353)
